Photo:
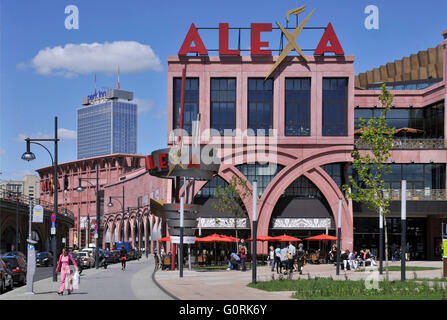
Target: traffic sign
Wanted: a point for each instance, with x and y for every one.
(186, 240)
(53, 217)
(38, 214)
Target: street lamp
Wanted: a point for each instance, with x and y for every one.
(28, 156)
(110, 204)
(98, 213)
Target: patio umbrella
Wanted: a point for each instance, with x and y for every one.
(263, 238)
(216, 238)
(168, 238)
(407, 130)
(322, 237)
(285, 238)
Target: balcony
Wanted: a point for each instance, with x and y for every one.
(410, 144)
(418, 194)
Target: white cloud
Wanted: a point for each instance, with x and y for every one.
(85, 58)
(144, 105)
(21, 173)
(66, 134)
(62, 133)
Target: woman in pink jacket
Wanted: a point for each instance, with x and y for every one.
(63, 266)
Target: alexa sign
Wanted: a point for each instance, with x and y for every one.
(328, 42)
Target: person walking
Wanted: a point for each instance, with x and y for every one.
(272, 256)
(123, 258)
(291, 251)
(63, 266)
(277, 260)
(300, 254)
(243, 254)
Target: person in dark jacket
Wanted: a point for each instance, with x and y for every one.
(123, 258)
(300, 255)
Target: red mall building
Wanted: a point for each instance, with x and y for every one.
(304, 112)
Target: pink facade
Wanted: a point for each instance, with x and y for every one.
(299, 155)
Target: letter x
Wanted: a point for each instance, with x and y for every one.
(292, 42)
(175, 159)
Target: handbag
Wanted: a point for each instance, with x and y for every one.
(76, 280)
(289, 256)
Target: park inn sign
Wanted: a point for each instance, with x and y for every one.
(329, 37)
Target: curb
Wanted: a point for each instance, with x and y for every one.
(161, 288)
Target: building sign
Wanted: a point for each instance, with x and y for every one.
(189, 162)
(96, 97)
(328, 43)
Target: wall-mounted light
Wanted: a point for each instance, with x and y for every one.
(431, 161)
(412, 161)
(392, 161)
(357, 106)
(411, 106)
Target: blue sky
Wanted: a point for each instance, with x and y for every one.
(32, 94)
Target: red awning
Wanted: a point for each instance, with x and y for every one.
(263, 238)
(322, 237)
(165, 239)
(216, 238)
(286, 238)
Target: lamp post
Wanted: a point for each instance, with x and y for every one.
(403, 239)
(338, 237)
(110, 204)
(98, 213)
(255, 230)
(28, 156)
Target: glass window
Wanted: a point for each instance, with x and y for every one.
(191, 103)
(263, 173)
(335, 106)
(260, 105)
(223, 104)
(297, 107)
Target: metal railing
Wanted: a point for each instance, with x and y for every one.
(410, 144)
(418, 194)
(14, 196)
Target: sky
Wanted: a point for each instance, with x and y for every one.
(45, 68)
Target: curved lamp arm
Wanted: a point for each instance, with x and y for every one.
(51, 156)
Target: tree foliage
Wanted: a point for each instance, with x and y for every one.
(372, 166)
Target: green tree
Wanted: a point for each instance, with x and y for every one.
(371, 166)
(230, 199)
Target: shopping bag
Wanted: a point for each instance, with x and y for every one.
(76, 279)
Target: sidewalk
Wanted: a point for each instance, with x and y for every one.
(135, 283)
(232, 285)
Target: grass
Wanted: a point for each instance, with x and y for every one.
(210, 267)
(328, 289)
(397, 268)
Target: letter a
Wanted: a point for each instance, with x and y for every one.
(193, 35)
(329, 35)
(72, 21)
(372, 21)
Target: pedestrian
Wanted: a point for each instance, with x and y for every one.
(352, 260)
(234, 261)
(407, 252)
(291, 251)
(300, 254)
(272, 256)
(123, 258)
(284, 260)
(277, 261)
(63, 266)
(243, 254)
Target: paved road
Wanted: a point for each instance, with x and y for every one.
(135, 283)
